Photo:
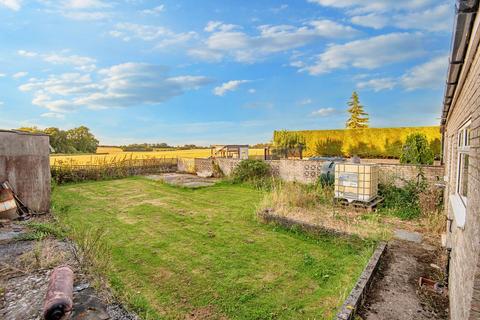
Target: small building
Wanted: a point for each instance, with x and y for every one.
(25, 164)
(461, 155)
(230, 151)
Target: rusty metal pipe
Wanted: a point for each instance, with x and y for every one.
(59, 299)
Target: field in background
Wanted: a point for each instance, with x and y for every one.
(178, 252)
(117, 155)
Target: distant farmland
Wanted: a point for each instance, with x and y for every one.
(114, 154)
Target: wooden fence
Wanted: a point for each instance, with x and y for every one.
(75, 173)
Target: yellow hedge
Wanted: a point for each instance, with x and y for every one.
(367, 143)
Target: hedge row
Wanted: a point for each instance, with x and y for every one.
(365, 143)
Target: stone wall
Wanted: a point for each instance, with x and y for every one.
(398, 174)
(464, 277)
(25, 163)
(203, 165)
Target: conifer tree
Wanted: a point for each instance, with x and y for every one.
(358, 117)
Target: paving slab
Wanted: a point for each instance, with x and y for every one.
(184, 180)
(408, 236)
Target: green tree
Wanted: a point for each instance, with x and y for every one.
(358, 117)
(416, 150)
(59, 140)
(82, 140)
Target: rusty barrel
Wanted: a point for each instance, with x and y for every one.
(59, 299)
(8, 206)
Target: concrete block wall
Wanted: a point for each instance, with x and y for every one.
(25, 163)
(203, 165)
(398, 174)
(308, 171)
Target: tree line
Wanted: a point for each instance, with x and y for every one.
(76, 140)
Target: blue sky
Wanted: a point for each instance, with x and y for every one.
(232, 71)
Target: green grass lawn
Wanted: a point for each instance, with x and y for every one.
(201, 254)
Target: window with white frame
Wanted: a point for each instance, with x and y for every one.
(463, 149)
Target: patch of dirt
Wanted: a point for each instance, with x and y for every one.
(395, 293)
(204, 313)
(184, 180)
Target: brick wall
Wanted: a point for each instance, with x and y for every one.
(464, 280)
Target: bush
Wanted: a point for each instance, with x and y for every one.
(403, 202)
(251, 171)
(416, 150)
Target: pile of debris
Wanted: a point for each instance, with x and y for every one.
(42, 278)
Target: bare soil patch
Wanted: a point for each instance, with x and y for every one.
(395, 293)
(184, 180)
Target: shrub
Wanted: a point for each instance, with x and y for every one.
(403, 202)
(251, 171)
(416, 150)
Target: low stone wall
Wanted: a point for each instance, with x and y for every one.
(203, 165)
(305, 171)
(398, 174)
(308, 171)
(227, 165)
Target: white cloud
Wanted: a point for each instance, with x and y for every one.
(53, 115)
(428, 75)
(164, 36)
(20, 74)
(439, 18)
(305, 102)
(358, 6)
(378, 84)
(3, 75)
(252, 91)
(123, 85)
(280, 8)
(25, 53)
(228, 86)
(230, 40)
(85, 4)
(80, 63)
(154, 11)
(14, 5)
(323, 112)
(82, 10)
(369, 53)
(433, 19)
(371, 20)
(1, 103)
(85, 16)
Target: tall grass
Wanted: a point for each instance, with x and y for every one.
(67, 172)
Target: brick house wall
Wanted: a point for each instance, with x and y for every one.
(464, 240)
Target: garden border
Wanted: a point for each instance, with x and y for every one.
(357, 296)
